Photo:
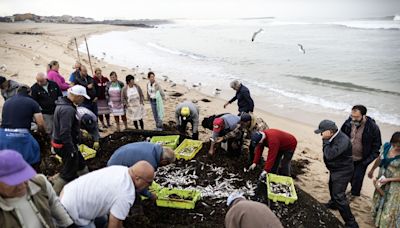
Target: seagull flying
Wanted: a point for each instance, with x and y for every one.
(255, 34)
(301, 49)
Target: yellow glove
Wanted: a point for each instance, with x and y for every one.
(96, 145)
(85, 134)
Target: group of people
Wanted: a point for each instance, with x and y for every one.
(62, 110)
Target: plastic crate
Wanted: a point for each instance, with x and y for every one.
(196, 144)
(168, 140)
(163, 199)
(88, 154)
(284, 180)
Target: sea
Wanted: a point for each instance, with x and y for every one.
(344, 63)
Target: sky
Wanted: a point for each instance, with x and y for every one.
(203, 9)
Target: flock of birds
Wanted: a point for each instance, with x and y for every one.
(301, 48)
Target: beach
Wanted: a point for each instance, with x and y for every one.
(25, 55)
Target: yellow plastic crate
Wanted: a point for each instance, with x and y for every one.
(88, 154)
(167, 140)
(163, 199)
(283, 180)
(188, 143)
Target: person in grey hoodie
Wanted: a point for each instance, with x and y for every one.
(8, 87)
(66, 131)
(187, 112)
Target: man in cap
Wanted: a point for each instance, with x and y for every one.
(65, 138)
(248, 125)
(244, 213)
(26, 198)
(18, 112)
(221, 126)
(281, 146)
(366, 142)
(186, 112)
(244, 100)
(106, 192)
(338, 159)
(88, 121)
(8, 87)
(131, 153)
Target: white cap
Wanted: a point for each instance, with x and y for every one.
(233, 196)
(79, 91)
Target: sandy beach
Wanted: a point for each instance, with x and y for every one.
(25, 55)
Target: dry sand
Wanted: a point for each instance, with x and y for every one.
(25, 55)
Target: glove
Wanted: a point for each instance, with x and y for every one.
(96, 145)
(263, 175)
(85, 134)
(252, 167)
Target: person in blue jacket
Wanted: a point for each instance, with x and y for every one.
(244, 100)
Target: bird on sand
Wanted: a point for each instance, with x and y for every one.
(301, 49)
(255, 34)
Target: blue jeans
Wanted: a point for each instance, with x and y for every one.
(153, 103)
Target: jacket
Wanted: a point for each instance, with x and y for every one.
(338, 156)
(44, 200)
(45, 99)
(371, 139)
(276, 140)
(194, 114)
(125, 95)
(57, 78)
(85, 81)
(11, 91)
(247, 213)
(66, 127)
(121, 84)
(245, 102)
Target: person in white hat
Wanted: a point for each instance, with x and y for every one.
(65, 137)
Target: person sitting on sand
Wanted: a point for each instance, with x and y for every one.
(338, 159)
(53, 75)
(45, 93)
(187, 112)
(244, 213)
(8, 87)
(131, 153)
(133, 100)
(245, 102)
(26, 198)
(17, 115)
(114, 99)
(248, 125)
(221, 126)
(281, 146)
(386, 199)
(106, 192)
(155, 91)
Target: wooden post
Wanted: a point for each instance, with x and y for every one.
(90, 62)
(77, 51)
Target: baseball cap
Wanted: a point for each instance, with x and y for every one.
(245, 117)
(79, 91)
(88, 122)
(232, 197)
(325, 125)
(218, 124)
(13, 168)
(257, 137)
(185, 112)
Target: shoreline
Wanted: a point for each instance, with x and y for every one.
(54, 44)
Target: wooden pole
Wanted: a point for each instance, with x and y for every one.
(77, 51)
(90, 62)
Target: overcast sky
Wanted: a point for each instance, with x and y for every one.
(164, 9)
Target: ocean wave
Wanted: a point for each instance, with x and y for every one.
(343, 85)
(176, 52)
(369, 24)
(393, 119)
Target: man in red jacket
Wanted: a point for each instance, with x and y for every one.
(281, 148)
